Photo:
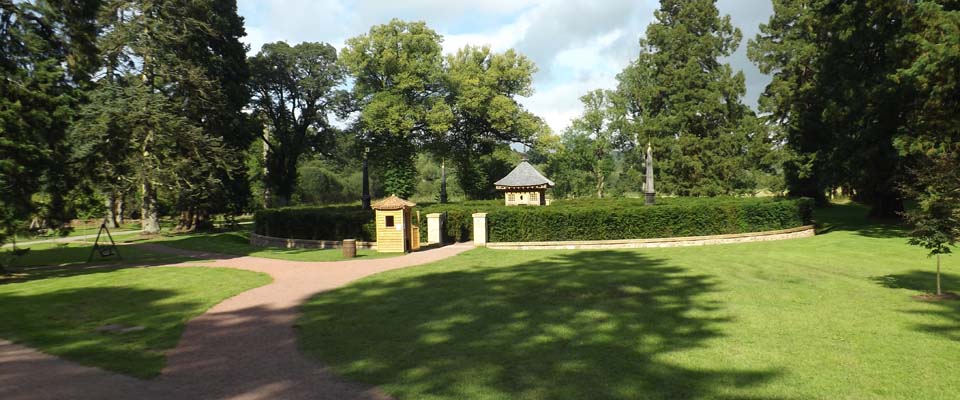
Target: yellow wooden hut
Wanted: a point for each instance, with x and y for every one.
(394, 227)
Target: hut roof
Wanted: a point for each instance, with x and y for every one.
(524, 175)
(393, 203)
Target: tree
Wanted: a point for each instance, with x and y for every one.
(46, 57)
(599, 124)
(930, 136)
(833, 64)
(397, 73)
(293, 92)
(482, 89)
(680, 97)
(936, 220)
(182, 64)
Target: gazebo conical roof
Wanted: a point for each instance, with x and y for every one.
(524, 176)
(393, 203)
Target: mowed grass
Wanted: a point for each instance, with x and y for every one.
(238, 243)
(829, 317)
(77, 253)
(63, 315)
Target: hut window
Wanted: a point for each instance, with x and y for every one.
(511, 197)
(389, 221)
(521, 197)
(534, 196)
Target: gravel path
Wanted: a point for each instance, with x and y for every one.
(242, 348)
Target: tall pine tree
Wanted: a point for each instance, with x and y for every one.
(687, 103)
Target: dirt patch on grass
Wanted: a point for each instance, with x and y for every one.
(934, 298)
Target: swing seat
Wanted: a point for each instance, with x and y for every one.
(105, 251)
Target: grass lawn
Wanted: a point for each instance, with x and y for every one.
(825, 317)
(62, 315)
(76, 254)
(238, 243)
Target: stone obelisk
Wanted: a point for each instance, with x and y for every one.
(649, 193)
(443, 181)
(365, 183)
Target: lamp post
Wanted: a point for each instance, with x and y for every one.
(365, 198)
(649, 193)
(443, 182)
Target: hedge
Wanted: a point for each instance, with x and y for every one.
(317, 223)
(586, 220)
(458, 218)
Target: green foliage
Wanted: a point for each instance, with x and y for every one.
(680, 97)
(46, 57)
(629, 219)
(317, 223)
(397, 73)
(482, 89)
(457, 218)
(293, 93)
(860, 88)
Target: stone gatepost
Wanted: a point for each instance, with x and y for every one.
(434, 229)
(480, 229)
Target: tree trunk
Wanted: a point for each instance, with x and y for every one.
(600, 183)
(886, 205)
(185, 222)
(201, 220)
(111, 204)
(121, 207)
(149, 214)
(938, 276)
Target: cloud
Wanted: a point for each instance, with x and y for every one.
(577, 45)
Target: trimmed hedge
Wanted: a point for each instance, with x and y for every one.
(615, 219)
(585, 219)
(317, 223)
(458, 225)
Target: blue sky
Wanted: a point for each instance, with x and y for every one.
(577, 45)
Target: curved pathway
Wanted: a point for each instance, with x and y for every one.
(243, 348)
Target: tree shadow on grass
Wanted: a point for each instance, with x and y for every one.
(946, 312)
(853, 217)
(237, 244)
(68, 323)
(60, 262)
(591, 324)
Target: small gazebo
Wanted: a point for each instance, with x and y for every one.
(524, 186)
(394, 227)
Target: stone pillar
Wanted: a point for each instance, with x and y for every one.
(480, 229)
(434, 229)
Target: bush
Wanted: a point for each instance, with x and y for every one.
(317, 223)
(627, 219)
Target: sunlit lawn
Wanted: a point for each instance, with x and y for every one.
(826, 317)
(63, 312)
(238, 243)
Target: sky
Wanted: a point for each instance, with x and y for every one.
(578, 45)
